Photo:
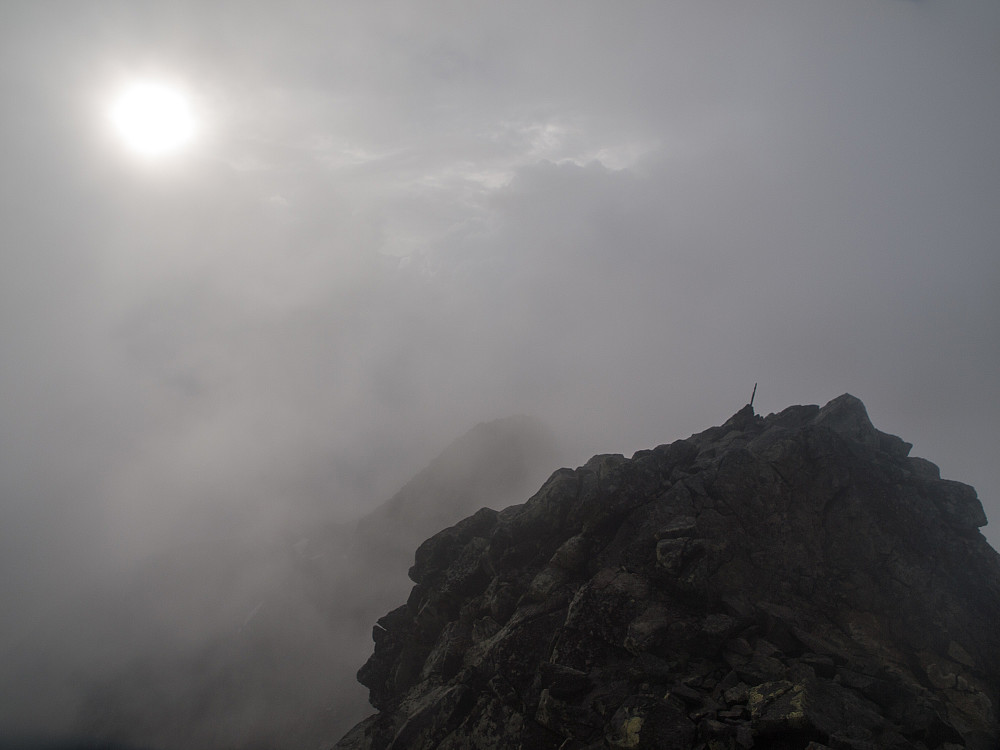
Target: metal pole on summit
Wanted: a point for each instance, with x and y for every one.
(753, 394)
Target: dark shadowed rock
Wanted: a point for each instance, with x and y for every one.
(791, 581)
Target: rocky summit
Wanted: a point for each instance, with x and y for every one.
(789, 581)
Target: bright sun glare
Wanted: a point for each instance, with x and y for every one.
(153, 119)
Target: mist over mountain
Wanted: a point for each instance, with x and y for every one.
(253, 641)
(791, 581)
(389, 221)
(487, 467)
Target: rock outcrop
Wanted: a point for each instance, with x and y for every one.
(794, 581)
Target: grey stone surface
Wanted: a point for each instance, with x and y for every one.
(787, 581)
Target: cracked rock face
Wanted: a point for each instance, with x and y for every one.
(783, 582)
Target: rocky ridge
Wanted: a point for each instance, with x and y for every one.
(794, 581)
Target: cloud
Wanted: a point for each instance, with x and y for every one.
(405, 219)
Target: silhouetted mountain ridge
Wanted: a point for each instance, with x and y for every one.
(791, 581)
(491, 465)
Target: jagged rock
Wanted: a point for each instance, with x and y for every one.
(789, 581)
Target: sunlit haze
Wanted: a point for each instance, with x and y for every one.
(152, 118)
(260, 262)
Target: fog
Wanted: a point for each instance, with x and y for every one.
(398, 220)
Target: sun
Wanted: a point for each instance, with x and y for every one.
(153, 119)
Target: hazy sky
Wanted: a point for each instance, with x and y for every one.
(400, 219)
